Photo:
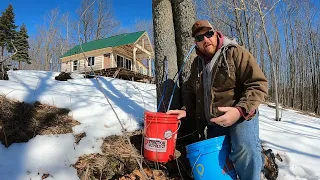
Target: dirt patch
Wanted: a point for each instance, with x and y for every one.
(20, 122)
(118, 161)
(79, 136)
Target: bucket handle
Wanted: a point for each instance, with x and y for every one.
(194, 165)
(171, 135)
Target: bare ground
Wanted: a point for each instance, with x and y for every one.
(118, 162)
(20, 122)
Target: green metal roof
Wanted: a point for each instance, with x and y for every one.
(113, 41)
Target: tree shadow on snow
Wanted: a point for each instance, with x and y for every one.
(126, 104)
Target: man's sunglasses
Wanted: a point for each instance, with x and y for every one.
(200, 37)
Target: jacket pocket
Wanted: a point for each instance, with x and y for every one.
(225, 78)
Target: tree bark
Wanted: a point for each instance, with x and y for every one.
(165, 46)
(184, 18)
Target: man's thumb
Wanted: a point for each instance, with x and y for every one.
(180, 116)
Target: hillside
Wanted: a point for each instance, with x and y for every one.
(296, 138)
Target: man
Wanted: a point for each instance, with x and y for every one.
(224, 90)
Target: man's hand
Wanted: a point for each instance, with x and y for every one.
(231, 116)
(181, 113)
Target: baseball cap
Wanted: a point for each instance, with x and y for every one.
(198, 25)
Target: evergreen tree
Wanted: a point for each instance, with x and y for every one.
(7, 29)
(22, 45)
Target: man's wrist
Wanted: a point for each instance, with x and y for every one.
(244, 114)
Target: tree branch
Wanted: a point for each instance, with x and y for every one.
(274, 5)
(16, 51)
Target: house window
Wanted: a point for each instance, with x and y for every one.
(119, 61)
(90, 61)
(124, 62)
(128, 64)
(75, 65)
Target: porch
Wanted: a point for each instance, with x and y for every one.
(123, 73)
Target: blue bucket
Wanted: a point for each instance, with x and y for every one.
(209, 159)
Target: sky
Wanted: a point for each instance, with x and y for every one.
(31, 12)
(295, 138)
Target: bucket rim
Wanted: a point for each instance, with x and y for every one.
(163, 121)
(220, 140)
(160, 115)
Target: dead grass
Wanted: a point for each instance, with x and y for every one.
(118, 162)
(117, 159)
(20, 122)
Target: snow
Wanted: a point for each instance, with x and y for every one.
(55, 154)
(296, 138)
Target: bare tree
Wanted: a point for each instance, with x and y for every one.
(292, 29)
(271, 59)
(240, 30)
(48, 33)
(145, 25)
(51, 41)
(165, 48)
(35, 53)
(96, 20)
(219, 13)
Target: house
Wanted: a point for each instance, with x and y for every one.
(125, 56)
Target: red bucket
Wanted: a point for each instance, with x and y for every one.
(160, 135)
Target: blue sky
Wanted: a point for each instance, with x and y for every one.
(31, 12)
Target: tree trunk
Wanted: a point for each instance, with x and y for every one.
(271, 61)
(293, 65)
(165, 46)
(3, 71)
(247, 25)
(184, 18)
(277, 52)
(238, 24)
